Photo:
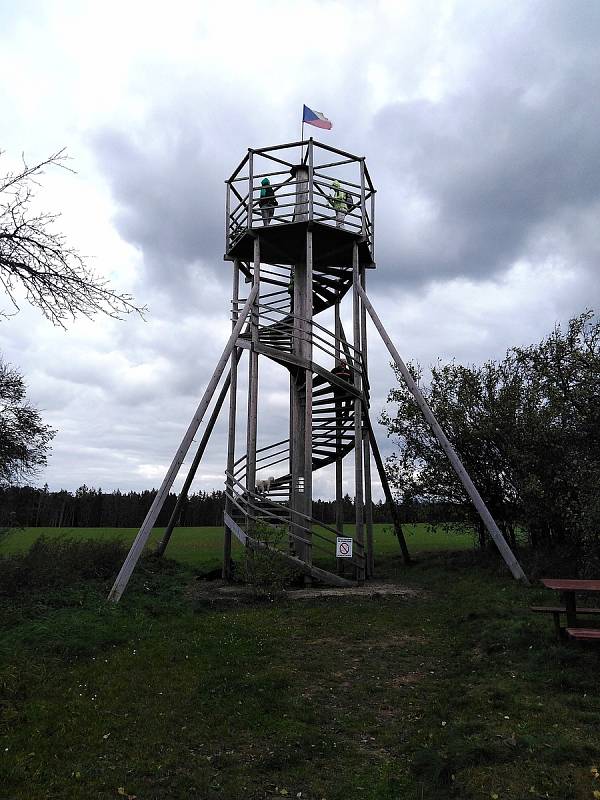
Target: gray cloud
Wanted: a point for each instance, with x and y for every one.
(501, 168)
(481, 133)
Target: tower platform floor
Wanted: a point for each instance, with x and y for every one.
(286, 244)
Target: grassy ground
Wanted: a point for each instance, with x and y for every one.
(202, 547)
(458, 692)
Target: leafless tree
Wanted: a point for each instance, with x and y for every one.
(35, 256)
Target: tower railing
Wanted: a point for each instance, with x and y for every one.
(307, 193)
(307, 530)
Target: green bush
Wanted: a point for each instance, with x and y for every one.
(51, 564)
(264, 569)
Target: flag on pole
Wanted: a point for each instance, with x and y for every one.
(315, 118)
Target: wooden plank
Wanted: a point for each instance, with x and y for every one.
(584, 634)
(561, 610)
(239, 534)
(140, 540)
(477, 500)
(570, 585)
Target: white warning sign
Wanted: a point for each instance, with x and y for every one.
(343, 547)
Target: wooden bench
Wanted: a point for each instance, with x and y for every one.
(584, 634)
(556, 611)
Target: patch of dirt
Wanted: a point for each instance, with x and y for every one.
(218, 591)
(370, 590)
(407, 679)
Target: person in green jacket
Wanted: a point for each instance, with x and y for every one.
(338, 200)
(267, 201)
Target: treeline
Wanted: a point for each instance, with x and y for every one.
(92, 508)
(29, 506)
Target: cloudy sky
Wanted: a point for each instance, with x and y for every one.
(481, 126)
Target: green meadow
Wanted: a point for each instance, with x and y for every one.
(202, 548)
(456, 691)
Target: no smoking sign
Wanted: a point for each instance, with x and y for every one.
(343, 547)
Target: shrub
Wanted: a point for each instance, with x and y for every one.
(58, 563)
(264, 568)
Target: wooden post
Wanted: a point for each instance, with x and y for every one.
(372, 240)
(388, 492)
(366, 447)
(339, 496)
(253, 378)
(359, 534)
(308, 387)
(301, 209)
(298, 433)
(227, 214)
(137, 547)
(457, 465)
(297, 414)
(250, 186)
(363, 205)
(232, 426)
(174, 519)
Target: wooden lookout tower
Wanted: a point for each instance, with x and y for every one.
(300, 225)
(305, 254)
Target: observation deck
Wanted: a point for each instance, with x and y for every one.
(306, 178)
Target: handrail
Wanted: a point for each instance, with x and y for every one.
(249, 494)
(310, 519)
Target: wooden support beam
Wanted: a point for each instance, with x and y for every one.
(339, 496)
(359, 534)
(387, 492)
(232, 426)
(140, 540)
(308, 389)
(162, 545)
(444, 443)
(366, 447)
(253, 378)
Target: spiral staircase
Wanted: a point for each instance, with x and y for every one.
(333, 422)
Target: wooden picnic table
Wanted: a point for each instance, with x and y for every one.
(568, 590)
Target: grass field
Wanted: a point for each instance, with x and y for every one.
(458, 692)
(201, 548)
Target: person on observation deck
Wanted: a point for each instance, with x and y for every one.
(338, 201)
(267, 201)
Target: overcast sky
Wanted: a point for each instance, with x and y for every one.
(480, 123)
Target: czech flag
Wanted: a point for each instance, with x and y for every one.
(315, 118)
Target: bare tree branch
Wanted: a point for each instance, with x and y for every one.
(37, 257)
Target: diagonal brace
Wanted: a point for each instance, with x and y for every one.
(162, 545)
(461, 472)
(140, 540)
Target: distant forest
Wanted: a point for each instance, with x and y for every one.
(92, 508)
